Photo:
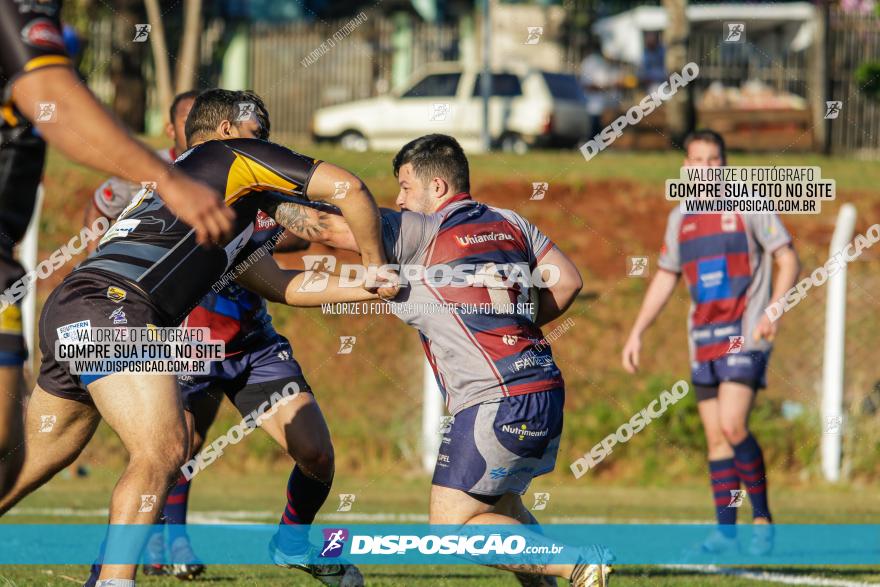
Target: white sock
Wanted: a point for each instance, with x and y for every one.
(115, 583)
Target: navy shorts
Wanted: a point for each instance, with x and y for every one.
(248, 378)
(499, 446)
(747, 367)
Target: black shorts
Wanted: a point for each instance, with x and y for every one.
(21, 168)
(13, 350)
(86, 300)
(248, 378)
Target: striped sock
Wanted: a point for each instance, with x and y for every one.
(724, 478)
(305, 496)
(750, 467)
(175, 509)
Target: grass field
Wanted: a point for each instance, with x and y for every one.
(599, 213)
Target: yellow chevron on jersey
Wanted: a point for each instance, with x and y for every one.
(248, 175)
(10, 320)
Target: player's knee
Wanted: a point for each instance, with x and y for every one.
(734, 432)
(162, 461)
(316, 459)
(717, 444)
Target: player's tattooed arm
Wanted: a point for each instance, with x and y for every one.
(314, 225)
(298, 288)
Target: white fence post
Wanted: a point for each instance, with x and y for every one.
(432, 412)
(27, 256)
(835, 347)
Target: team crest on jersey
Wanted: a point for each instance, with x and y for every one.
(117, 294)
(509, 339)
(118, 316)
(728, 222)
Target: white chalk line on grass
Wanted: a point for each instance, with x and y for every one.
(770, 577)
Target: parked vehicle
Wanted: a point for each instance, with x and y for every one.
(527, 108)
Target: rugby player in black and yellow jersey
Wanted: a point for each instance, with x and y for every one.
(39, 87)
(150, 266)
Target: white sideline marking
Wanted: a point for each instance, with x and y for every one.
(770, 577)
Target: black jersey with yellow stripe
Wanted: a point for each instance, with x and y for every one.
(30, 38)
(151, 250)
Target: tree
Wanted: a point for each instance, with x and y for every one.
(130, 89)
(680, 108)
(187, 63)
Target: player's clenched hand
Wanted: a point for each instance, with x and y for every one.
(765, 329)
(199, 206)
(382, 281)
(630, 356)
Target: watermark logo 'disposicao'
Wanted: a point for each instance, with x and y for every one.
(148, 502)
(541, 501)
(832, 109)
(735, 344)
(346, 345)
(736, 498)
(142, 32)
(440, 112)
(346, 501)
(446, 424)
(317, 274)
(246, 111)
(46, 112)
(334, 542)
(735, 32)
(833, 424)
(47, 422)
(340, 190)
(539, 190)
(637, 266)
(635, 114)
(534, 35)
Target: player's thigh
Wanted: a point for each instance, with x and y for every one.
(710, 416)
(146, 412)
(735, 402)
(454, 506)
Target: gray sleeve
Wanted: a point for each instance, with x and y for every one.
(537, 242)
(114, 195)
(669, 255)
(406, 235)
(768, 231)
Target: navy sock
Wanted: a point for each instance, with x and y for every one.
(175, 509)
(305, 496)
(750, 466)
(724, 478)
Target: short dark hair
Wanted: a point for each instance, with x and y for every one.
(436, 155)
(706, 136)
(190, 95)
(214, 106)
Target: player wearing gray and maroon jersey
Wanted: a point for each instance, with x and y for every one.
(489, 348)
(467, 274)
